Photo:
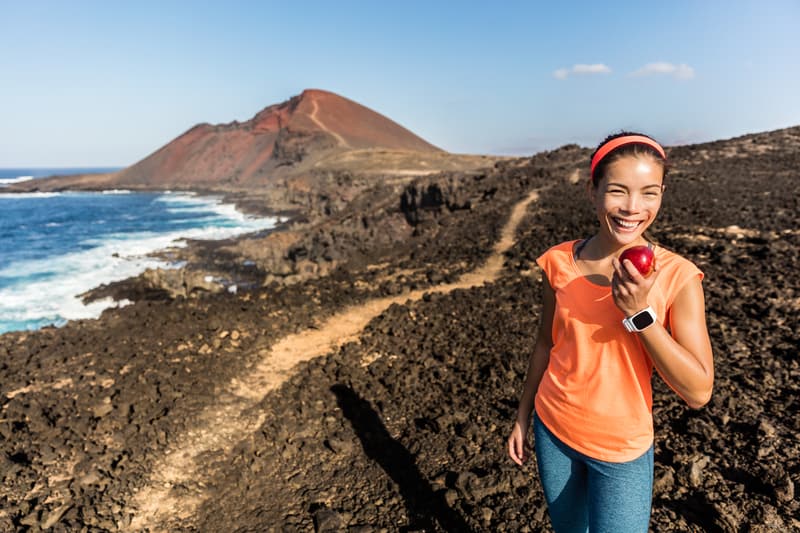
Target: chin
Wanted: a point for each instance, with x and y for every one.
(624, 238)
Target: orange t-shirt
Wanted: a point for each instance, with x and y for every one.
(596, 393)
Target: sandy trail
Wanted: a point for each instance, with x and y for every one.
(231, 417)
(313, 117)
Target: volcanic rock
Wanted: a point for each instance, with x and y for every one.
(403, 426)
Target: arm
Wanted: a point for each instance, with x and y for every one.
(537, 364)
(684, 359)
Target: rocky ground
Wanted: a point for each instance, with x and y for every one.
(404, 427)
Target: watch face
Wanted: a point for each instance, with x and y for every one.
(642, 320)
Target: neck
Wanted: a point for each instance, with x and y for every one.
(605, 247)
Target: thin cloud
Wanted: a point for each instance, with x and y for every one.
(679, 72)
(597, 68)
(561, 74)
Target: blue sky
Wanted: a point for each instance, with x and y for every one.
(107, 83)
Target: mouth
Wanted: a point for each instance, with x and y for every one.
(625, 226)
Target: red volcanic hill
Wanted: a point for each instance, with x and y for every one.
(279, 137)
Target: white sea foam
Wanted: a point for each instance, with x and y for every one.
(28, 195)
(8, 181)
(187, 202)
(53, 296)
(116, 191)
(45, 290)
(181, 197)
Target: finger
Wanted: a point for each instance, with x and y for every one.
(617, 266)
(513, 453)
(631, 280)
(619, 286)
(520, 443)
(632, 271)
(523, 449)
(620, 267)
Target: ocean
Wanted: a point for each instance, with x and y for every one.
(55, 246)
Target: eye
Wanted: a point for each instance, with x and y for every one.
(616, 191)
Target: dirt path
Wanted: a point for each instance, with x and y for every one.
(313, 116)
(231, 416)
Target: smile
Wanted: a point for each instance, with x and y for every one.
(626, 224)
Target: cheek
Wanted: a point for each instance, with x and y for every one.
(654, 205)
(610, 204)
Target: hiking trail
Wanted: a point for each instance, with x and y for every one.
(230, 417)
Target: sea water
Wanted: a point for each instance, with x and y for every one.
(55, 246)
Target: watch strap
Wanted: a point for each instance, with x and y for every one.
(630, 324)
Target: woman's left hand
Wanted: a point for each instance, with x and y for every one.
(629, 288)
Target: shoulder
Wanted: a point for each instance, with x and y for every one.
(671, 263)
(565, 247)
(675, 271)
(559, 253)
(556, 261)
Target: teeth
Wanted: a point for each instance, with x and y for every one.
(626, 224)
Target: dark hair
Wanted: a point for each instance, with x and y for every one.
(633, 149)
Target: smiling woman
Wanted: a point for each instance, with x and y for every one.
(628, 200)
(604, 327)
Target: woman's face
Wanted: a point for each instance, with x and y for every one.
(628, 197)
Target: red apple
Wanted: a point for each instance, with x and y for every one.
(642, 258)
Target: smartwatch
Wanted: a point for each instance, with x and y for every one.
(640, 321)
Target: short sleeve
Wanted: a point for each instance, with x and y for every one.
(554, 263)
(685, 272)
(546, 264)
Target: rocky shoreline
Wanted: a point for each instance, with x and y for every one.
(403, 427)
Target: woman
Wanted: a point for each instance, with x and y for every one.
(589, 377)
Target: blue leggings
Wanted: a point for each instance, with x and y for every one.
(584, 494)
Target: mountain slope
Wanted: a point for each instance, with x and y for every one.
(283, 135)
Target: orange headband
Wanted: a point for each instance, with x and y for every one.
(619, 141)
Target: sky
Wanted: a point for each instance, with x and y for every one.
(108, 83)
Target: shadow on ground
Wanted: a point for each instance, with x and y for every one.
(426, 508)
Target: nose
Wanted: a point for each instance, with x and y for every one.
(632, 203)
